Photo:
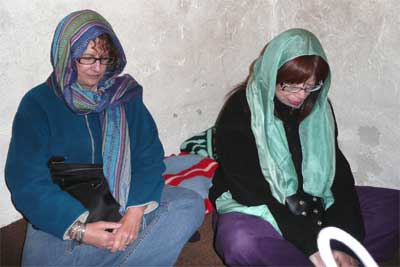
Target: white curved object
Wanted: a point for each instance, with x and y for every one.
(329, 233)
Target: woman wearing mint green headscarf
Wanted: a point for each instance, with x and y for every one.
(88, 113)
(282, 176)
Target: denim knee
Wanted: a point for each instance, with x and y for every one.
(185, 207)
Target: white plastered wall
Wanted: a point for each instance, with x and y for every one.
(189, 53)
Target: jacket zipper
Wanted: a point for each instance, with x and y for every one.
(91, 137)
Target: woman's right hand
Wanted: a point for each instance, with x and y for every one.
(316, 259)
(96, 234)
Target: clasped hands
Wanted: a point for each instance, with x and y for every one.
(123, 232)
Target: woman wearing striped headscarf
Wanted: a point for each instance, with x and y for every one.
(87, 112)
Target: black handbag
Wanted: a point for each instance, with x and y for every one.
(86, 183)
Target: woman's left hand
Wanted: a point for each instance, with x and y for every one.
(130, 225)
(344, 260)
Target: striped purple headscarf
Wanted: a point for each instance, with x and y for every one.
(71, 39)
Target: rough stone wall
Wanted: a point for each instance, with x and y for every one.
(189, 53)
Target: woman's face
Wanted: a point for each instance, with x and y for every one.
(294, 100)
(90, 75)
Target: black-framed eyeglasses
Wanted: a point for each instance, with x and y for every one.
(290, 88)
(91, 60)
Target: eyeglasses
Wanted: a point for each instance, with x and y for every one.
(92, 60)
(295, 89)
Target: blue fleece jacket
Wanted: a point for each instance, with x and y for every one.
(44, 127)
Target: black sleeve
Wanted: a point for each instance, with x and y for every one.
(239, 169)
(240, 173)
(345, 213)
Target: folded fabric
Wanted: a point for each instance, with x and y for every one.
(191, 171)
(200, 144)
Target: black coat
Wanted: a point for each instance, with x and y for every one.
(239, 172)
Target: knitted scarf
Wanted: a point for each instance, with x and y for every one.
(71, 39)
(317, 130)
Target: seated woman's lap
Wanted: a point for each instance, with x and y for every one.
(248, 240)
(164, 232)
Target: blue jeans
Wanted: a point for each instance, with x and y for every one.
(163, 234)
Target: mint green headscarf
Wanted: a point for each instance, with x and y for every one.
(317, 130)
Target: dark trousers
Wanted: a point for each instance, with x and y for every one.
(245, 240)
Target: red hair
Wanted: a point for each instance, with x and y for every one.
(300, 69)
(297, 70)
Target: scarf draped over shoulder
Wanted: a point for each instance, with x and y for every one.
(317, 130)
(71, 39)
